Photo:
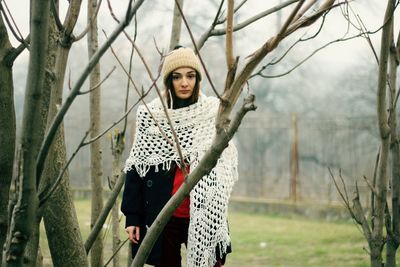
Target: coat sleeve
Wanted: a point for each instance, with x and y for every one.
(132, 199)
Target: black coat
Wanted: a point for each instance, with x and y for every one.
(142, 200)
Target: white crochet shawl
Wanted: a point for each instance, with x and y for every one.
(195, 128)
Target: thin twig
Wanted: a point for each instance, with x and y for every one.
(249, 21)
(345, 200)
(53, 8)
(140, 94)
(371, 187)
(115, 252)
(197, 51)
(11, 23)
(99, 84)
(92, 19)
(203, 38)
(259, 73)
(374, 182)
(44, 196)
(176, 139)
(130, 63)
(122, 117)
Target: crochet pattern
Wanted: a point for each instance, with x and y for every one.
(195, 128)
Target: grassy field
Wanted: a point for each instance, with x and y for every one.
(270, 241)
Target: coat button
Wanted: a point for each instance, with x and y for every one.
(149, 183)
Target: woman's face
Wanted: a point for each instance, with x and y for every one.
(183, 80)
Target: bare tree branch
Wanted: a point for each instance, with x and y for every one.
(104, 213)
(75, 90)
(11, 22)
(203, 38)
(246, 23)
(115, 252)
(92, 19)
(99, 84)
(54, 10)
(371, 187)
(197, 50)
(45, 194)
(230, 60)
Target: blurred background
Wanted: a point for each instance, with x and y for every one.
(318, 116)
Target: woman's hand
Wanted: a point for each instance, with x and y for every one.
(133, 233)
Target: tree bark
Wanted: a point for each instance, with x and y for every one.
(32, 248)
(393, 230)
(24, 213)
(67, 248)
(7, 130)
(118, 146)
(32, 253)
(96, 253)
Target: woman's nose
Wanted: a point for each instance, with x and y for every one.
(184, 81)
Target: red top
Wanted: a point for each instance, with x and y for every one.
(182, 211)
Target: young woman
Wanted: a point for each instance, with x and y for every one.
(154, 173)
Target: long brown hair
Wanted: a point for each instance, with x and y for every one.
(176, 102)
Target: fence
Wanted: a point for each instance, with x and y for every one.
(286, 155)
(266, 158)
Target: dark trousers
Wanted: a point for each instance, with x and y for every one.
(174, 235)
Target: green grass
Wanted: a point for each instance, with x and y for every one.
(261, 240)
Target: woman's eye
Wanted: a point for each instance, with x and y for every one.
(175, 77)
(191, 76)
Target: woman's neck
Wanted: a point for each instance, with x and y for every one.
(181, 103)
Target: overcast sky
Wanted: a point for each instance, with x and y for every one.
(371, 12)
(155, 19)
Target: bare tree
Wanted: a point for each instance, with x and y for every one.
(384, 214)
(96, 170)
(24, 213)
(8, 135)
(54, 221)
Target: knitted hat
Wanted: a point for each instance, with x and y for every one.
(178, 58)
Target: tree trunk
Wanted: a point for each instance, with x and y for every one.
(117, 147)
(129, 261)
(24, 213)
(176, 26)
(392, 243)
(67, 248)
(96, 257)
(32, 248)
(116, 241)
(377, 240)
(294, 160)
(33, 251)
(7, 130)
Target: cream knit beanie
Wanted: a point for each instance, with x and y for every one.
(181, 57)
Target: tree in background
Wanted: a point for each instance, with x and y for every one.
(96, 168)
(38, 193)
(382, 227)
